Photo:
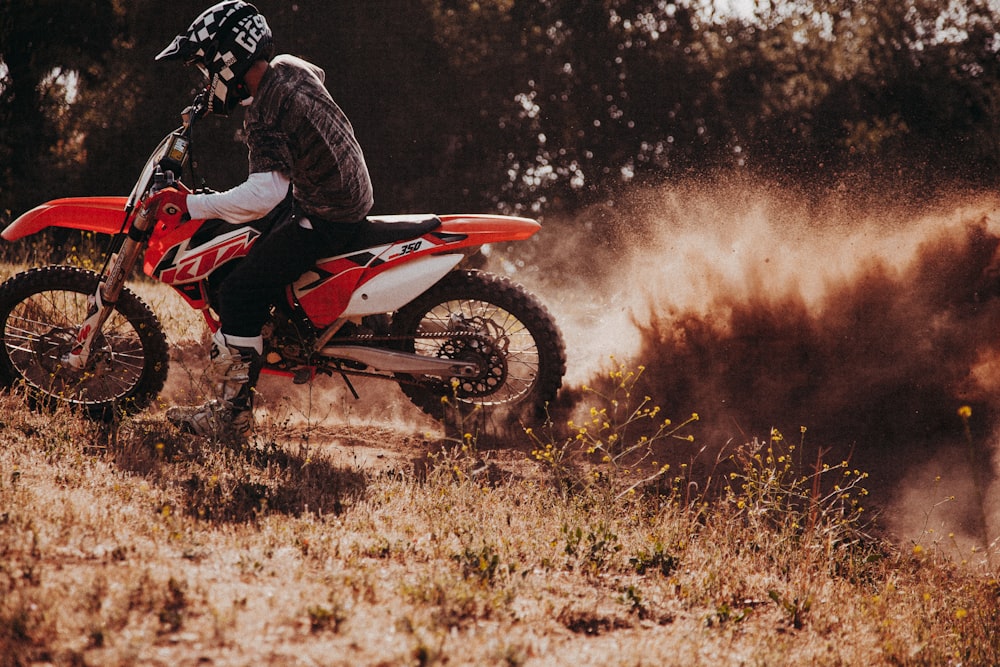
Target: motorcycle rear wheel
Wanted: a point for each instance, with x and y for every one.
(40, 311)
(507, 331)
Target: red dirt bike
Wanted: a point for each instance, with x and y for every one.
(396, 305)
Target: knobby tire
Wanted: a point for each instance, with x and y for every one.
(39, 310)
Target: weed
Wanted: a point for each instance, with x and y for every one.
(460, 458)
(590, 549)
(456, 603)
(323, 618)
(794, 608)
(822, 506)
(172, 611)
(615, 448)
(657, 560)
(632, 599)
(725, 613)
(482, 565)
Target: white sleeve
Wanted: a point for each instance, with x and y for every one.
(251, 200)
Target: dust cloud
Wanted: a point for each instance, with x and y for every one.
(761, 307)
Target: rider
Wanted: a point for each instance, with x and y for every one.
(307, 171)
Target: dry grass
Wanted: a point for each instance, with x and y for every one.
(139, 546)
(133, 544)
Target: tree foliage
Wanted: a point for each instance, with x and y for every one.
(46, 46)
(528, 105)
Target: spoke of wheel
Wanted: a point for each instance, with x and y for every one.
(522, 355)
(59, 309)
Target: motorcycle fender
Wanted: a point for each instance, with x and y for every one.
(393, 288)
(483, 229)
(104, 215)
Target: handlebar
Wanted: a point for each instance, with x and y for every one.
(197, 108)
(162, 179)
(171, 154)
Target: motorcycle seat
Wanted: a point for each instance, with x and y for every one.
(380, 230)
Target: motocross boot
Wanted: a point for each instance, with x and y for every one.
(234, 370)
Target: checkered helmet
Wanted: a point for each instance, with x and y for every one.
(223, 42)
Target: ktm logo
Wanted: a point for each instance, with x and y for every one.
(196, 264)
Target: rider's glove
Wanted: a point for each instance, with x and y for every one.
(169, 201)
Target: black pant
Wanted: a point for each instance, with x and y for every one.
(276, 260)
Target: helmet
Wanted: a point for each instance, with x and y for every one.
(223, 42)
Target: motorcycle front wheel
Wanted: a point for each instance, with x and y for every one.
(495, 323)
(40, 313)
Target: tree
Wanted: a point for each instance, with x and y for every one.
(849, 87)
(49, 49)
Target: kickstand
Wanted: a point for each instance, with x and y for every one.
(350, 386)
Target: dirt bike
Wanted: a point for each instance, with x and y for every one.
(397, 304)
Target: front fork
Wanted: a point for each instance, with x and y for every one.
(104, 299)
